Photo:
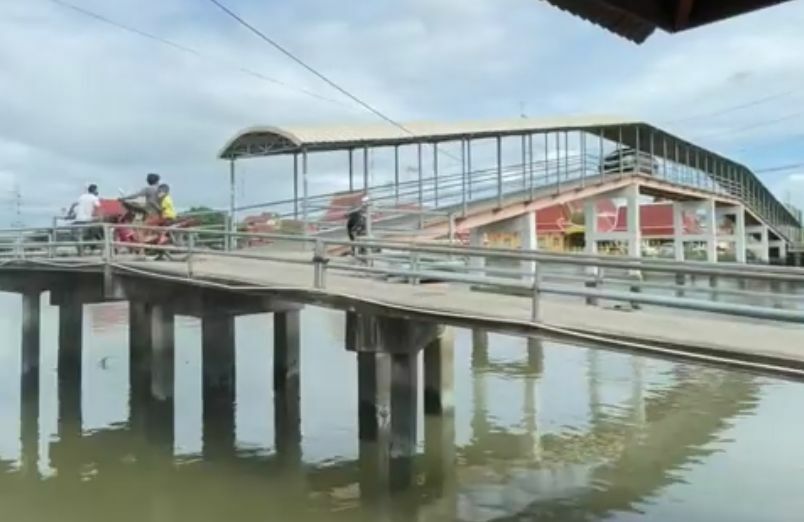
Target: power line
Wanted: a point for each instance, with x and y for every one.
(757, 125)
(189, 50)
(735, 108)
(782, 168)
(276, 45)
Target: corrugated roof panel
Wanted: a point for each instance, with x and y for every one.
(615, 20)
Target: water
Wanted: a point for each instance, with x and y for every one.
(569, 434)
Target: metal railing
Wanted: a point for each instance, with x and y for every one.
(755, 291)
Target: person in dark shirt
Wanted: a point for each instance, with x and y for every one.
(357, 225)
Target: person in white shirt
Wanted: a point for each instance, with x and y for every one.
(84, 208)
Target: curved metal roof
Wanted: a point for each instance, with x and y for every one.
(274, 141)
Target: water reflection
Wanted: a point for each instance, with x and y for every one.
(540, 431)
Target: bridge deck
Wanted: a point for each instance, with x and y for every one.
(777, 345)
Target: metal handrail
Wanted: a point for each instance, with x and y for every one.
(533, 280)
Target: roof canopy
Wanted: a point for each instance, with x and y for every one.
(273, 141)
(636, 20)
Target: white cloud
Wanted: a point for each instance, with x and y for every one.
(85, 101)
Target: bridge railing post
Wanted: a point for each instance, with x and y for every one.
(320, 265)
(451, 218)
(190, 253)
(536, 297)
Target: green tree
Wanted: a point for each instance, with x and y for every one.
(205, 216)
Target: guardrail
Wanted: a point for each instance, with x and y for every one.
(758, 291)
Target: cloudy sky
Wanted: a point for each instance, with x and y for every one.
(81, 100)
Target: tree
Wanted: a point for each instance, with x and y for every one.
(206, 216)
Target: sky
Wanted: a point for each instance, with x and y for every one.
(82, 101)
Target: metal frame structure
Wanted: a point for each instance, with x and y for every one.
(682, 162)
(453, 264)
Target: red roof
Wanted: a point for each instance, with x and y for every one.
(657, 220)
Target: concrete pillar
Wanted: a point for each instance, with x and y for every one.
(139, 353)
(678, 230)
(590, 228)
(634, 221)
(29, 385)
(69, 367)
(387, 355)
(529, 240)
(711, 230)
(480, 349)
(439, 370)
(740, 247)
(218, 384)
(160, 402)
(764, 253)
(287, 385)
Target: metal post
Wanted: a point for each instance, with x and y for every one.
(566, 155)
(524, 163)
(697, 168)
(546, 158)
(602, 154)
(583, 158)
(463, 177)
(296, 184)
(499, 171)
(620, 150)
(351, 170)
(190, 254)
(232, 202)
(421, 188)
(558, 162)
(637, 158)
(664, 158)
(305, 203)
(435, 172)
(451, 219)
(469, 167)
(689, 166)
(530, 160)
(396, 174)
(320, 260)
(537, 283)
(652, 153)
(365, 170)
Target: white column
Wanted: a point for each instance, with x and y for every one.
(529, 240)
(678, 230)
(764, 253)
(590, 229)
(634, 222)
(711, 230)
(739, 234)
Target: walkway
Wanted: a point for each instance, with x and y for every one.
(701, 337)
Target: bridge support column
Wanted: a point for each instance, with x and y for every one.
(29, 385)
(480, 348)
(287, 385)
(678, 230)
(218, 383)
(740, 247)
(439, 411)
(387, 352)
(711, 230)
(71, 320)
(634, 221)
(761, 246)
(161, 401)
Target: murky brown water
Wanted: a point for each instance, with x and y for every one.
(571, 434)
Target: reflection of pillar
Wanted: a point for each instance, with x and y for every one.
(218, 388)
(637, 390)
(439, 420)
(480, 348)
(139, 352)
(161, 400)
(69, 370)
(374, 410)
(29, 392)
(404, 388)
(287, 402)
(593, 377)
(535, 355)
